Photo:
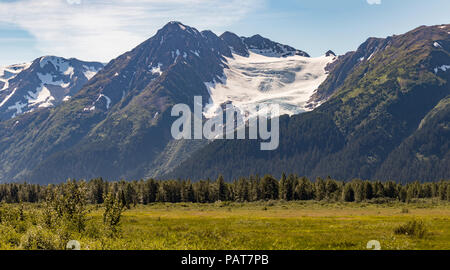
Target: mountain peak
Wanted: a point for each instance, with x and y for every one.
(176, 23)
(177, 27)
(261, 45)
(235, 43)
(330, 53)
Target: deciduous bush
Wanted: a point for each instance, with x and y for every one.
(40, 238)
(416, 228)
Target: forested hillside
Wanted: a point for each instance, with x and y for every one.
(387, 120)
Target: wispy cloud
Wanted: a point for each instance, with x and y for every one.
(103, 29)
(374, 2)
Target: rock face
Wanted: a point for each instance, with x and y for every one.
(235, 43)
(259, 45)
(45, 82)
(264, 46)
(330, 53)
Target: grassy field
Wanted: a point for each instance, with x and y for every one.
(269, 225)
(278, 225)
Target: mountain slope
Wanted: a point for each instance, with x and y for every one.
(118, 124)
(425, 152)
(380, 94)
(45, 82)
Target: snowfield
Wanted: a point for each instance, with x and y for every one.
(51, 83)
(256, 79)
(9, 72)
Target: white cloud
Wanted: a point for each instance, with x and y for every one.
(103, 29)
(374, 2)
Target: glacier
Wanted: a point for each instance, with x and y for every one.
(259, 79)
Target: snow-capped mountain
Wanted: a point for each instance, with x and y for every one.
(45, 82)
(264, 71)
(238, 70)
(119, 122)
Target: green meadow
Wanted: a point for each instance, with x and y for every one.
(275, 225)
(278, 225)
(272, 225)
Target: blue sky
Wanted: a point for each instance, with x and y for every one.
(103, 29)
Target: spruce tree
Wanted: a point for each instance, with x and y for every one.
(282, 187)
(348, 194)
(222, 191)
(319, 189)
(448, 192)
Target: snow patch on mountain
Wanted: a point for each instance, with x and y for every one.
(99, 98)
(69, 72)
(196, 52)
(260, 79)
(42, 98)
(437, 45)
(90, 71)
(48, 79)
(10, 72)
(444, 68)
(60, 64)
(108, 100)
(18, 107)
(8, 97)
(5, 84)
(157, 69)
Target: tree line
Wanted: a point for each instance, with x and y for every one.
(245, 189)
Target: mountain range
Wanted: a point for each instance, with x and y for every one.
(380, 112)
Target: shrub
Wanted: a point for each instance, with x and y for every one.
(8, 215)
(382, 200)
(93, 230)
(71, 205)
(415, 228)
(9, 237)
(113, 212)
(40, 238)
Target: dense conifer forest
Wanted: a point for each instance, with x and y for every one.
(245, 189)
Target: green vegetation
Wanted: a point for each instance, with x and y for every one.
(73, 196)
(253, 213)
(256, 225)
(415, 228)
